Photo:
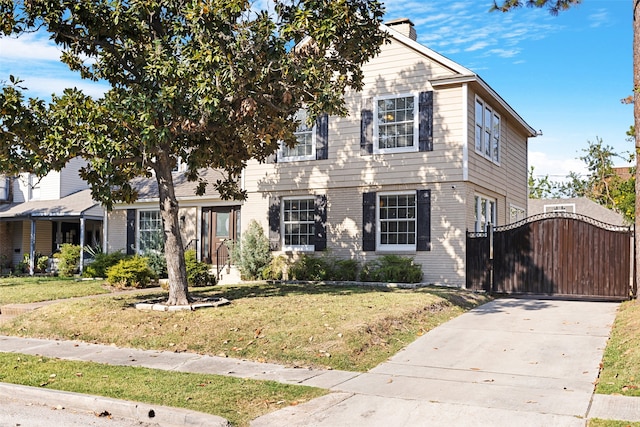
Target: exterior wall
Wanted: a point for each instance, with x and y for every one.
(6, 243)
(506, 182)
(70, 181)
(44, 237)
(116, 231)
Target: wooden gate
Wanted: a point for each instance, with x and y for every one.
(560, 254)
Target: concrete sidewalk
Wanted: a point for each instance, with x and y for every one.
(512, 361)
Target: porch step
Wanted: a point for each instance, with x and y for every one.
(230, 278)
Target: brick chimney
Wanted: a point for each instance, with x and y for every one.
(404, 26)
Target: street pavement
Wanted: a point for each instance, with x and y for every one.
(523, 362)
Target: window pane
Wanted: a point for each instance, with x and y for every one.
(299, 225)
(395, 122)
(397, 219)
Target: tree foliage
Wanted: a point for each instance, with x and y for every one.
(211, 83)
(554, 6)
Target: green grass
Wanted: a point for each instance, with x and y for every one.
(20, 290)
(347, 328)
(620, 372)
(237, 400)
(596, 422)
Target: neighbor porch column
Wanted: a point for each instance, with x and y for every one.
(81, 244)
(32, 248)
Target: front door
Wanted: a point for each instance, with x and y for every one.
(219, 224)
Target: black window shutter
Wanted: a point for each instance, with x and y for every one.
(322, 137)
(369, 221)
(275, 242)
(424, 220)
(425, 114)
(320, 219)
(131, 231)
(366, 127)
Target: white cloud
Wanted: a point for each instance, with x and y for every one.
(599, 19)
(31, 46)
(556, 166)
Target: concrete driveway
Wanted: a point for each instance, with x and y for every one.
(519, 362)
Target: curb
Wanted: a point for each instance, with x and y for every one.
(141, 412)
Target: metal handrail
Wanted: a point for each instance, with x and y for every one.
(222, 258)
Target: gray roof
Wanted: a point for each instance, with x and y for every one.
(148, 187)
(76, 205)
(583, 206)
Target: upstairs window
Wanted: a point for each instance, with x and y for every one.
(311, 140)
(487, 131)
(396, 124)
(305, 149)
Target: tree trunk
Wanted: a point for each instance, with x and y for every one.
(173, 249)
(636, 115)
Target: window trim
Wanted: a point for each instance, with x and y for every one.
(296, 248)
(396, 247)
(284, 159)
(416, 124)
(478, 199)
(139, 229)
(558, 207)
(482, 149)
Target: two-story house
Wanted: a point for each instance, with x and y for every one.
(37, 215)
(428, 151)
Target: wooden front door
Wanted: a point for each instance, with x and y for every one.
(219, 224)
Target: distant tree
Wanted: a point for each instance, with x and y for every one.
(210, 83)
(602, 184)
(540, 188)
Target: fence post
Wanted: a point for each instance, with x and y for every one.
(491, 278)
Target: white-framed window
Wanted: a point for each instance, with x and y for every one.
(305, 149)
(487, 131)
(150, 232)
(298, 223)
(560, 207)
(4, 187)
(397, 221)
(485, 213)
(516, 213)
(395, 123)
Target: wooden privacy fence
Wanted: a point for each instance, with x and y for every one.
(559, 253)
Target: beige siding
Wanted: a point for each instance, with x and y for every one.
(444, 264)
(507, 181)
(117, 231)
(44, 237)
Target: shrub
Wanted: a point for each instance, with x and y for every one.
(314, 268)
(197, 272)
(391, 268)
(131, 272)
(276, 268)
(68, 259)
(253, 254)
(101, 262)
(346, 270)
(157, 263)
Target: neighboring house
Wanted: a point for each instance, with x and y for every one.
(38, 215)
(428, 152)
(577, 205)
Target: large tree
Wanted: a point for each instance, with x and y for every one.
(556, 6)
(212, 83)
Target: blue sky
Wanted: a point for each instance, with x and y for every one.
(565, 74)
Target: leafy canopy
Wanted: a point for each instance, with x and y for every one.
(210, 82)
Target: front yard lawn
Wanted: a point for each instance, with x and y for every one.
(348, 328)
(21, 290)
